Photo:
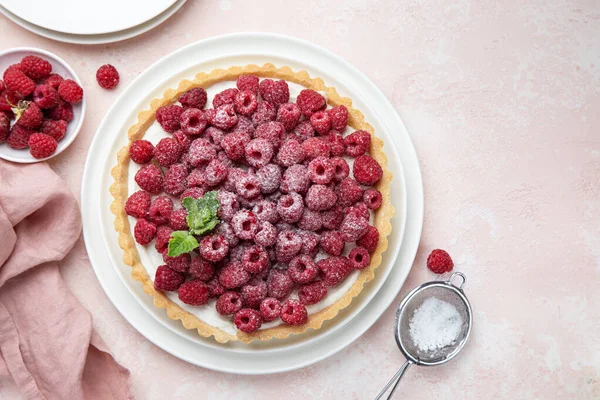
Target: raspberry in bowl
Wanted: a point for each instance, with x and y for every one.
(42, 105)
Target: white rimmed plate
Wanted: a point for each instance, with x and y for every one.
(272, 356)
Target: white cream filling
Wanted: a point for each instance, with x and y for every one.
(151, 259)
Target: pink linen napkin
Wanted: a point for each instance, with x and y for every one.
(47, 342)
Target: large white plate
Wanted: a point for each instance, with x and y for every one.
(87, 17)
(273, 356)
(94, 38)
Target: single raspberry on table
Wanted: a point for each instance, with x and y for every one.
(255, 259)
(312, 293)
(229, 303)
(245, 224)
(357, 143)
(276, 92)
(254, 293)
(359, 257)
(42, 145)
(321, 170)
(194, 292)
(303, 269)
(201, 269)
(107, 76)
(290, 207)
(35, 67)
(293, 312)
(178, 219)
(18, 137)
(4, 127)
(248, 82)
(137, 204)
(310, 102)
(160, 210)
(149, 178)
(144, 231)
(175, 179)
(193, 121)
(339, 117)
(179, 263)
(366, 170)
(288, 115)
(332, 242)
(214, 247)
(141, 151)
(54, 80)
(233, 275)
(167, 280)
(45, 96)
(439, 261)
(163, 234)
(167, 151)
(169, 117)
(227, 96)
(16, 81)
(348, 192)
(194, 98)
(62, 111)
(265, 112)
(279, 284)
(320, 198)
(295, 179)
(258, 152)
(338, 148)
(321, 122)
(29, 115)
(70, 91)
(270, 309)
(245, 102)
(372, 199)
(290, 153)
(316, 147)
(247, 320)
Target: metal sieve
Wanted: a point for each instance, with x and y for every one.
(443, 290)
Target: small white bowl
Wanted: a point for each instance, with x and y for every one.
(59, 66)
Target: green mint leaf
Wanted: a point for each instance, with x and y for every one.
(202, 213)
(181, 242)
(193, 217)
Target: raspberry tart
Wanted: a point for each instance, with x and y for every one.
(252, 203)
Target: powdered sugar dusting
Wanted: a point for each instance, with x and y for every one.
(435, 324)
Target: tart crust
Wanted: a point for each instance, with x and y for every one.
(119, 191)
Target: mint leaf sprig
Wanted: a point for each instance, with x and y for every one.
(202, 218)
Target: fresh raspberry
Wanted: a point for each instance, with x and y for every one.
(244, 125)
(295, 179)
(194, 98)
(225, 117)
(16, 81)
(6, 99)
(248, 82)
(193, 121)
(2, 87)
(56, 129)
(439, 261)
(245, 224)
(177, 220)
(338, 148)
(279, 284)
(266, 234)
(62, 111)
(316, 147)
(265, 112)
(270, 309)
(369, 239)
(181, 263)
(214, 136)
(248, 186)
(290, 153)
(310, 102)
(320, 197)
(175, 179)
(35, 67)
(312, 293)
(289, 244)
(332, 218)
(4, 127)
(201, 269)
(276, 92)
(225, 229)
(227, 96)
(214, 247)
(169, 117)
(273, 132)
(290, 207)
(233, 275)
(255, 259)
(194, 292)
(216, 172)
(193, 192)
(258, 152)
(332, 243)
(303, 269)
(247, 320)
(107, 76)
(304, 130)
(321, 170)
(321, 122)
(357, 143)
(163, 234)
(269, 178)
(144, 231)
(341, 169)
(45, 96)
(360, 209)
(245, 103)
(336, 269)
(201, 152)
(348, 192)
(18, 137)
(229, 205)
(215, 287)
(372, 199)
(140, 151)
(254, 293)
(339, 117)
(30, 115)
(167, 280)
(41, 145)
(54, 80)
(288, 115)
(160, 210)
(229, 303)
(266, 210)
(183, 139)
(234, 144)
(366, 170)
(137, 204)
(310, 242)
(167, 151)
(359, 258)
(310, 220)
(293, 312)
(353, 226)
(236, 253)
(70, 91)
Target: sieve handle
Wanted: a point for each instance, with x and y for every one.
(395, 380)
(461, 276)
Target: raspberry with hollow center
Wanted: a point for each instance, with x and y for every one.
(225, 97)
(366, 170)
(137, 204)
(289, 243)
(316, 147)
(234, 144)
(229, 303)
(269, 178)
(273, 132)
(194, 292)
(169, 117)
(255, 259)
(194, 98)
(310, 220)
(279, 284)
(107, 76)
(247, 320)
(312, 293)
(201, 269)
(290, 153)
(321, 122)
(70, 91)
(245, 224)
(175, 179)
(245, 102)
(214, 247)
(225, 117)
(341, 169)
(160, 210)
(348, 192)
(339, 117)
(332, 243)
(293, 312)
(310, 102)
(270, 309)
(320, 197)
(258, 152)
(295, 179)
(357, 143)
(266, 210)
(290, 207)
(144, 231)
(321, 170)
(41, 145)
(233, 275)
(254, 293)
(193, 121)
(303, 269)
(141, 151)
(372, 199)
(45, 96)
(247, 82)
(167, 280)
(266, 234)
(359, 258)
(167, 151)
(248, 186)
(439, 261)
(289, 115)
(265, 112)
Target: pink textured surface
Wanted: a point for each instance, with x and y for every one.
(502, 100)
